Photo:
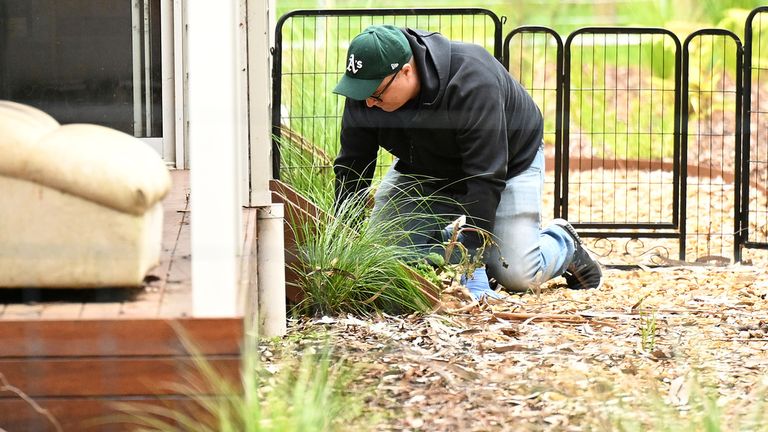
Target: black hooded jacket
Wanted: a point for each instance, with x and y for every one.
(472, 127)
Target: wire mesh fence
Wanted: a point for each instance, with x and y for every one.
(310, 58)
(534, 57)
(620, 139)
(648, 153)
(754, 206)
(712, 88)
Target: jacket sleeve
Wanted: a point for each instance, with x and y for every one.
(482, 141)
(356, 162)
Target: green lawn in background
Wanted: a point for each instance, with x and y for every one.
(565, 16)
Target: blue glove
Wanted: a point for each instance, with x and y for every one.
(478, 285)
(447, 234)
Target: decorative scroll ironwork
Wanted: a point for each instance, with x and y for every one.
(622, 251)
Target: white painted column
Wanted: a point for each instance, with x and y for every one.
(147, 70)
(242, 91)
(212, 60)
(181, 136)
(260, 31)
(167, 30)
(138, 124)
(271, 268)
(270, 281)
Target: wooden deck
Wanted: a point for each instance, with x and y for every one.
(75, 352)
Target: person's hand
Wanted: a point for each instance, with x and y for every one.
(447, 232)
(478, 285)
(447, 235)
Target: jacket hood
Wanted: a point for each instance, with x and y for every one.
(432, 54)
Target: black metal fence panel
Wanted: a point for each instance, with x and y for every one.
(533, 55)
(711, 146)
(754, 206)
(310, 54)
(655, 148)
(621, 132)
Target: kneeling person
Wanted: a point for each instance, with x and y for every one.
(461, 127)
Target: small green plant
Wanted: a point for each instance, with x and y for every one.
(348, 263)
(648, 332)
(308, 394)
(456, 260)
(429, 271)
(697, 409)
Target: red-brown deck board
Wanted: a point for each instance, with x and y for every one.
(76, 370)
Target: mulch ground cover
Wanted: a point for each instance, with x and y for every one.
(671, 348)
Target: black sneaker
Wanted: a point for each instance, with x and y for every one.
(584, 272)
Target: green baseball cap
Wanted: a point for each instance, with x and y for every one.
(378, 51)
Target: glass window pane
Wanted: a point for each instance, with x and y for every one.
(85, 61)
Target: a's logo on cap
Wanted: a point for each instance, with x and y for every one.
(353, 65)
(394, 65)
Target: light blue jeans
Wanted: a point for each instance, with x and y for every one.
(526, 255)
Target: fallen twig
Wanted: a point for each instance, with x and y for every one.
(6, 386)
(539, 316)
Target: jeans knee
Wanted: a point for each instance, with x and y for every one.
(513, 277)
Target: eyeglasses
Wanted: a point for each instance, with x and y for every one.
(377, 97)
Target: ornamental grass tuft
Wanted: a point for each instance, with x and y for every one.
(349, 264)
(308, 392)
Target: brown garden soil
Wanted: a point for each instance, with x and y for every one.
(647, 351)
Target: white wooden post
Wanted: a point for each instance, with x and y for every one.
(212, 32)
(138, 124)
(260, 30)
(169, 79)
(271, 267)
(270, 280)
(180, 131)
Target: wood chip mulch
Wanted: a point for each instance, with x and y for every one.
(653, 349)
